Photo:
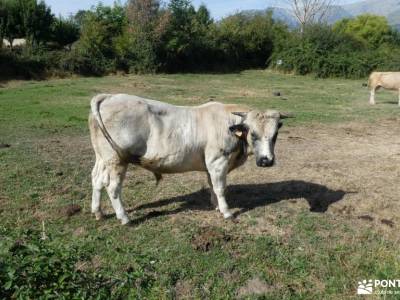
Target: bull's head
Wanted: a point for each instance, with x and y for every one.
(260, 129)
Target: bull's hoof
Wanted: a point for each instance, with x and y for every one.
(228, 215)
(98, 215)
(125, 220)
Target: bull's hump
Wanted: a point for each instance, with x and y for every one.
(225, 107)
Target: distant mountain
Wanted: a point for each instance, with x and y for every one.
(283, 15)
(376, 7)
(278, 13)
(337, 13)
(387, 8)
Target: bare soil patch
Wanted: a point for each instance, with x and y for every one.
(208, 238)
(347, 170)
(255, 286)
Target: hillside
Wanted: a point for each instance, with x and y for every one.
(387, 8)
(377, 7)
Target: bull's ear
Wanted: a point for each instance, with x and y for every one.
(240, 130)
(240, 114)
(283, 115)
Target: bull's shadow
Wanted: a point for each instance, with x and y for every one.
(247, 197)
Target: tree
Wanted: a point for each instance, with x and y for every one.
(10, 21)
(370, 29)
(246, 40)
(80, 16)
(99, 29)
(186, 36)
(65, 32)
(203, 15)
(139, 46)
(308, 12)
(37, 21)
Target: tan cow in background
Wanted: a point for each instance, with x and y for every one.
(386, 80)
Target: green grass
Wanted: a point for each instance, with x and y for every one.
(47, 169)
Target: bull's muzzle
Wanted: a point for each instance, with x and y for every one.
(265, 162)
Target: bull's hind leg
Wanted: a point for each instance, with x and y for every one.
(116, 173)
(98, 173)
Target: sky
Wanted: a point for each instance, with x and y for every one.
(218, 8)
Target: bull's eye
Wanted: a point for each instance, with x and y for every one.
(254, 136)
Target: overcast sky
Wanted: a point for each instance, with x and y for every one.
(218, 8)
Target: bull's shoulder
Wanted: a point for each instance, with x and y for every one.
(236, 108)
(228, 108)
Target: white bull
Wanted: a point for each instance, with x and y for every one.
(163, 138)
(386, 80)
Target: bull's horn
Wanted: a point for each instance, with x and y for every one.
(286, 115)
(240, 114)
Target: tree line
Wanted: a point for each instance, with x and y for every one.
(144, 36)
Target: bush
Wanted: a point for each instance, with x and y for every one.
(146, 37)
(32, 268)
(23, 64)
(327, 52)
(86, 62)
(350, 65)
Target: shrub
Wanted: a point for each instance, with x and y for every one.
(86, 62)
(65, 32)
(32, 268)
(327, 52)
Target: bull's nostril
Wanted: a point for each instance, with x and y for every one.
(265, 162)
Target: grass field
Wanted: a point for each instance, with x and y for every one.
(326, 217)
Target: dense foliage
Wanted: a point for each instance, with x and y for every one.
(144, 36)
(351, 48)
(33, 268)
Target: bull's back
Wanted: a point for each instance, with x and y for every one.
(387, 80)
(164, 138)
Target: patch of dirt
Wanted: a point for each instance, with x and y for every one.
(387, 222)
(349, 170)
(94, 264)
(255, 286)
(366, 218)
(208, 238)
(71, 210)
(265, 226)
(184, 290)
(346, 170)
(80, 231)
(247, 93)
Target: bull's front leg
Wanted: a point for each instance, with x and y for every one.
(372, 96)
(214, 200)
(218, 169)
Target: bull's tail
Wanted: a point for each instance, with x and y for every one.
(95, 108)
